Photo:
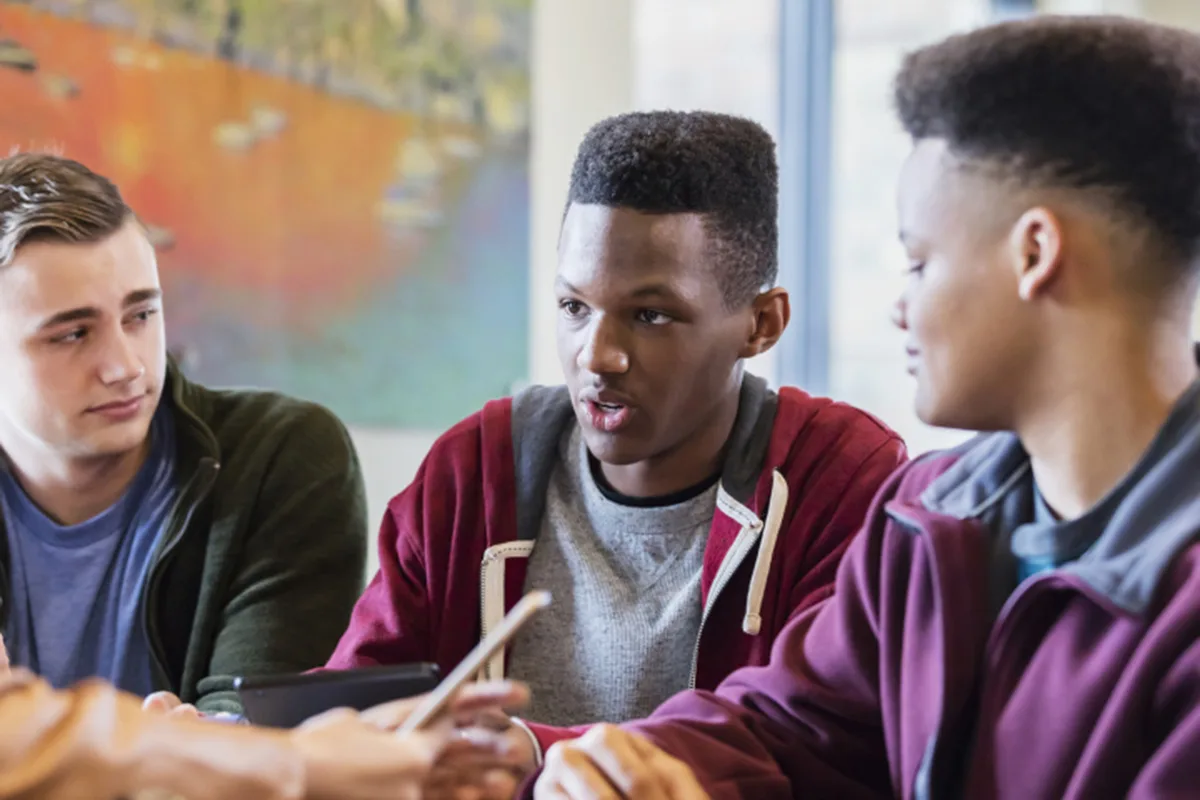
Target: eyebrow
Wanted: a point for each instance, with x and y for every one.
(91, 312)
(649, 290)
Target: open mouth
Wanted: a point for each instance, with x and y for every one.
(607, 417)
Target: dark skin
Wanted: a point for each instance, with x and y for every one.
(643, 324)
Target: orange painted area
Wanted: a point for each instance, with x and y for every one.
(292, 214)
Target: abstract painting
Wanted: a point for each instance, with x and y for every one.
(338, 189)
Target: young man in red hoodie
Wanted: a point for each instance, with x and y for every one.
(1020, 617)
(679, 510)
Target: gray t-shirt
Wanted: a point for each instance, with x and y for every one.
(77, 589)
(618, 639)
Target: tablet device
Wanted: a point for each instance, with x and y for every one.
(285, 701)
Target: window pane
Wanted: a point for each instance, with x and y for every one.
(719, 55)
(867, 365)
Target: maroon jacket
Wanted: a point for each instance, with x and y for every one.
(454, 545)
(1086, 686)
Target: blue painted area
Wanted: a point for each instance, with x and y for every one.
(448, 334)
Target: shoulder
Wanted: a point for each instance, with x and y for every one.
(503, 424)
(812, 432)
(236, 415)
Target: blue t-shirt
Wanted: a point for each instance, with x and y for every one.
(77, 590)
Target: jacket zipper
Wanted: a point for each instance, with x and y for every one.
(742, 546)
(200, 485)
(923, 782)
(923, 788)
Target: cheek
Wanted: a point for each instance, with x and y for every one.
(154, 345)
(566, 341)
(694, 370)
(933, 305)
(42, 387)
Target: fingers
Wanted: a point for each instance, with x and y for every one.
(170, 705)
(581, 778)
(607, 763)
(473, 782)
(676, 777)
(185, 711)
(572, 772)
(161, 703)
(500, 784)
(624, 766)
(333, 716)
(390, 716)
(5, 668)
(487, 701)
(471, 700)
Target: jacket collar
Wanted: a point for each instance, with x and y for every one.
(1156, 519)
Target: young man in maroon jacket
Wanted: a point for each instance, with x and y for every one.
(679, 510)
(1020, 617)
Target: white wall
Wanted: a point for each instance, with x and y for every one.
(582, 71)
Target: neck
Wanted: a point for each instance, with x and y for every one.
(691, 462)
(73, 490)
(1105, 409)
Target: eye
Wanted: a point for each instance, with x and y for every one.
(144, 315)
(651, 317)
(70, 337)
(572, 308)
(915, 268)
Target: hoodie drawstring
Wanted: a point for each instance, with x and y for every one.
(752, 622)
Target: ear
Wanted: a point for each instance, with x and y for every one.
(1036, 245)
(772, 310)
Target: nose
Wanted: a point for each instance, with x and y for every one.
(119, 362)
(900, 311)
(603, 353)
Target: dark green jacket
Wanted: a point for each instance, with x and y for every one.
(263, 554)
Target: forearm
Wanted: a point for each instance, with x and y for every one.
(93, 741)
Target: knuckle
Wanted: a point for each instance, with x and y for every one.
(556, 753)
(602, 734)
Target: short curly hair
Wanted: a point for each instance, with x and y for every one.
(1102, 104)
(46, 197)
(672, 162)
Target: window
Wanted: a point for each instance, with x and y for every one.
(867, 364)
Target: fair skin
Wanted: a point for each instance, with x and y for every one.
(1036, 310)
(84, 351)
(350, 756)
(81, 332)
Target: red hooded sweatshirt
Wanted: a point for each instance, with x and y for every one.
(453, 548)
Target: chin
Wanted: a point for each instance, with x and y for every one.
(617, 450)
(963, 416)
(116, 440)
(936, 412)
